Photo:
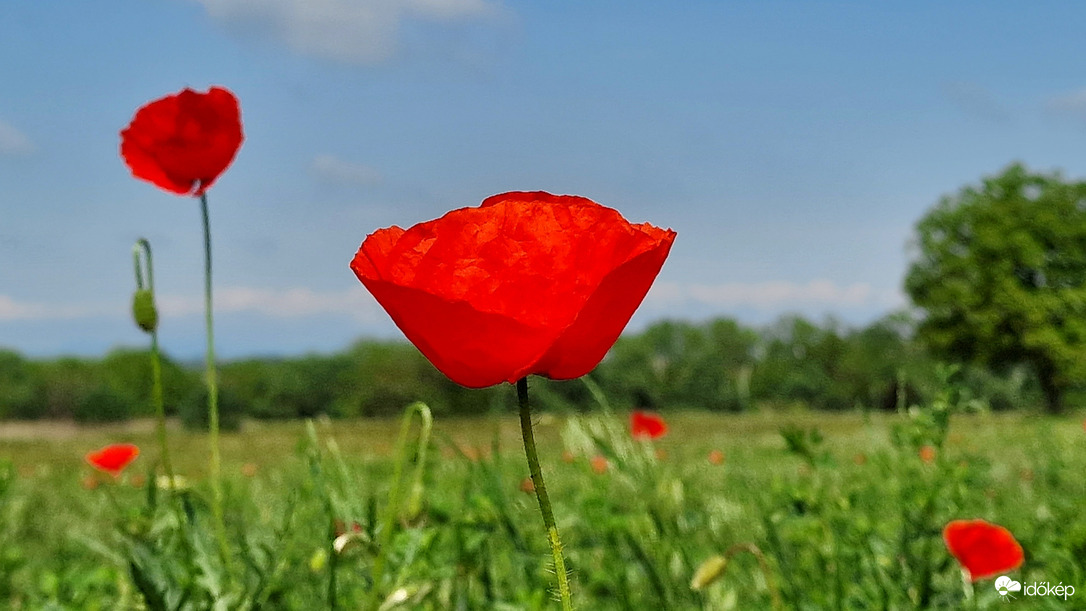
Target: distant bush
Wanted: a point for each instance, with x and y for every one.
(194, 414)
(103, 404)
(718, 365)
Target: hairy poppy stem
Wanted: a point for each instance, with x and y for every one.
(541, 494)
(213, 395)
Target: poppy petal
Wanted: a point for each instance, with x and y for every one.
(183, 142)
(983, 549)
(644, 425)
(113, 458)
(526, 283)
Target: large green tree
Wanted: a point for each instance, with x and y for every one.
(1000, 275)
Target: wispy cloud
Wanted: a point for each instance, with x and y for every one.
(351, 31)
(976, 100)
(1072, 104)
(277, 303)
(300, 302)
(12, 310)
(772, 295)
(273, 303)
(13, 141)
(334, 169)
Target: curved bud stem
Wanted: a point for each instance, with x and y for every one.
(147, 318)
(143, 247)
(713, 568)
(392, 509)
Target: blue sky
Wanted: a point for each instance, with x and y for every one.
(792, 146)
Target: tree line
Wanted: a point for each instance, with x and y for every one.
(719, 365)
(997, 280)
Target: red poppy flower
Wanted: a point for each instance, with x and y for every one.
(644, 425)
(526, 283)
(183, 142)
(114, 458)
(983, 549)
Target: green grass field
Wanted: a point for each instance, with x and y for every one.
(847, 515)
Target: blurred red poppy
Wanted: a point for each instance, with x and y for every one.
(644, 425)
(527, 485)
(716, 457)
(983, 549)
(113, 458)
(183, 142)
(927, 454)
(526, 283)
(599, 464)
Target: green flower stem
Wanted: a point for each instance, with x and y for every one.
(770, 582)
(144, 247)
(541, 494)
(213, 395)
(388, 520)
(160, 405)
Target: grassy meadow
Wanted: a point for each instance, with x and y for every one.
(844, 510)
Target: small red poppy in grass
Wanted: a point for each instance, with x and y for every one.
(645, 425)
(527, 485)
(114, 458)
(927, 454)
(525, 283)
(599, 464)
(90, 482)
(983, 549)
(716, 457)
(340, 527)
(568, 457)
(182, 143)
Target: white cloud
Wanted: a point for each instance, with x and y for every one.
(12, 310)
(13, 141)
(352, 31)
(976, 100)
(356, 302)
(1073, 104)
(772, 295)
(333, 169)
(274, 303)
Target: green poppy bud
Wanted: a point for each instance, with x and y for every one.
(708, 572)
(144, 311)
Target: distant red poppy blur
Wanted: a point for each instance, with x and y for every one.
(527, 485)
(599, 464)
(526, 283)
(113, 458)
(182, 143)
(983, 549)
(927, 454)
(716, 457)
(645, 425)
